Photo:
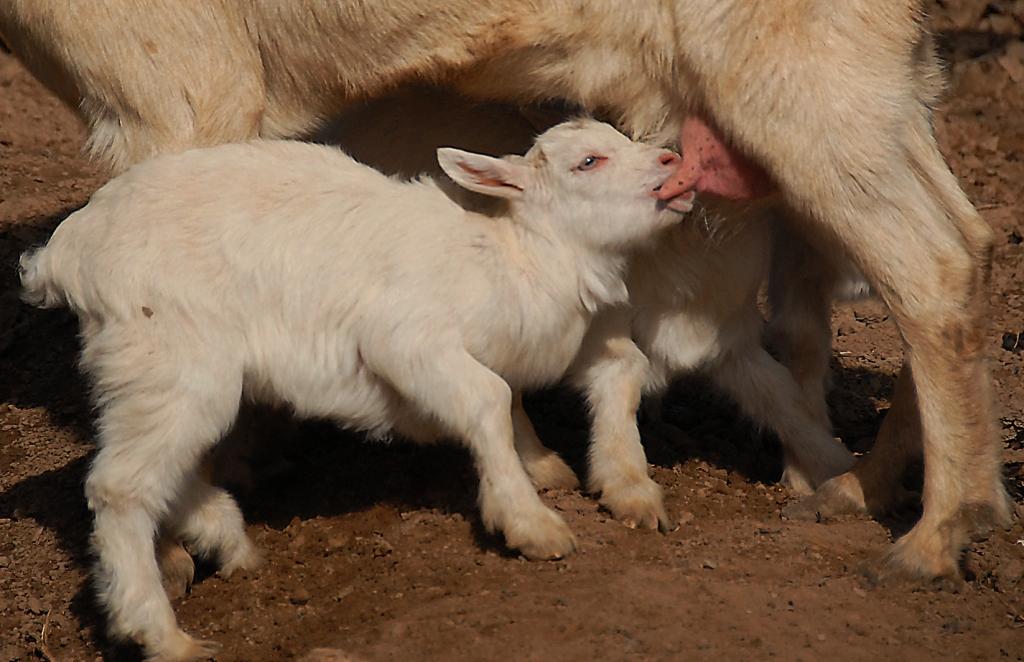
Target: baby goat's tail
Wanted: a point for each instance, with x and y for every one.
(38, 285)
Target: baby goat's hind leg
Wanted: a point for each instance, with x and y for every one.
(475, 405)
(800, 290)
(177, 568)
(766, 392)
(547, 470)
(159, 413)
(209, 519)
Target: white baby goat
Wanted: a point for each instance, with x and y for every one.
(288, 273)
(693, 307)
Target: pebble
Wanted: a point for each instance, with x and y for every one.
(381, 547)
(976, 565)
(300, 596)
(1009, 573)
(328, 655)
(337, 542)
(1013, 60)
(34, 605)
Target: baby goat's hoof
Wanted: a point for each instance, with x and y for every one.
(183, 648)
(550, 472)
(841, 495)
(177, 568)
(844, 495)
(794, 480)
(245, 557)
(544, 537)
(638, 504)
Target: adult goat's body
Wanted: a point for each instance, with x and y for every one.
(830, 99)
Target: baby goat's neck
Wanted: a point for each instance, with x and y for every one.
(582, 276)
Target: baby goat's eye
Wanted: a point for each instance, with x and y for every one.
(589, 162)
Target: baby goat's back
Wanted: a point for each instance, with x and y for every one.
(234, 225)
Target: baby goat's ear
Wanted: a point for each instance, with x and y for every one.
(501, 178)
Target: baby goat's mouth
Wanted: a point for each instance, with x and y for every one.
(681, 203)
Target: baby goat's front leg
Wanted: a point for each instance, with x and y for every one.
(475, 405)
(611, 370)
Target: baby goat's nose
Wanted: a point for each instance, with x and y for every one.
(668, 158)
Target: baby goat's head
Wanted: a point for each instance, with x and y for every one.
(583, 178)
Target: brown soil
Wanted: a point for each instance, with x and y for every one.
(375, 551)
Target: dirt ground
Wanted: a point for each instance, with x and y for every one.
(375, 552)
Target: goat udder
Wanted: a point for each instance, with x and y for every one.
(710, 165)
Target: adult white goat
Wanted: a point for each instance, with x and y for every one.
(827, 103)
